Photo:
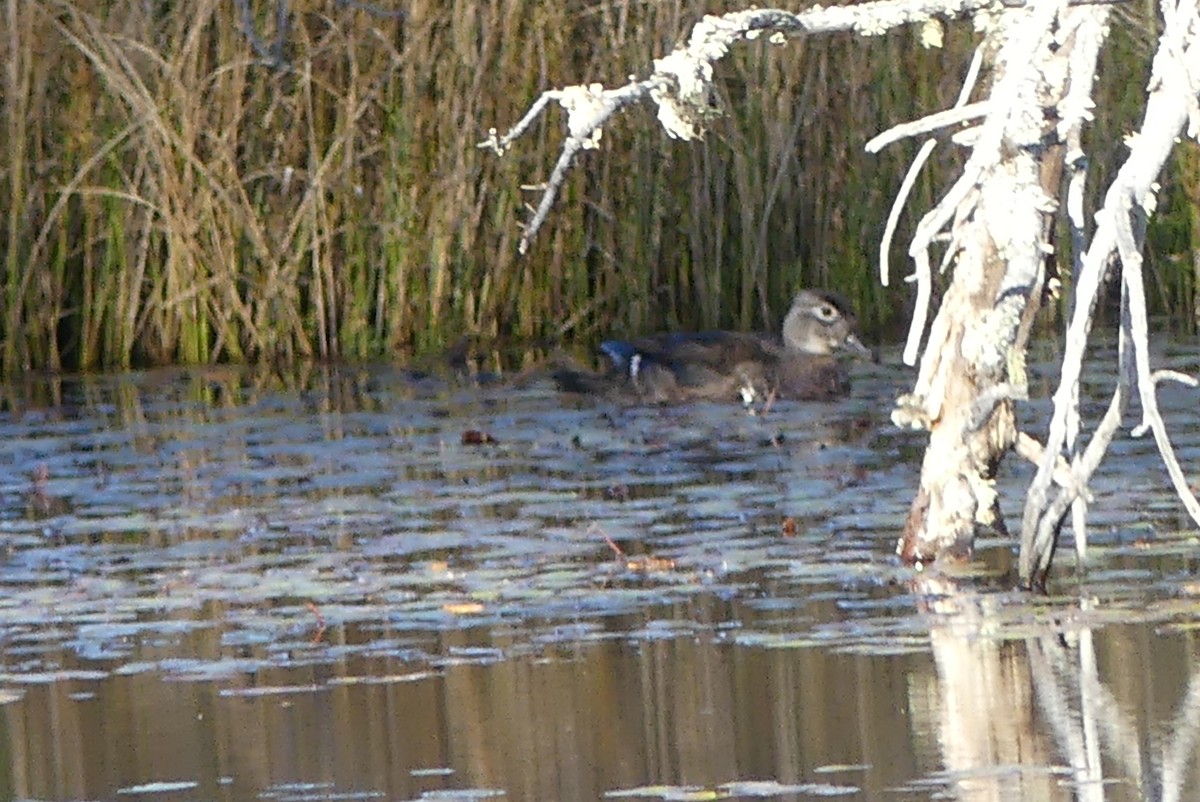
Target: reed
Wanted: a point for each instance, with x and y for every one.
(191, 183)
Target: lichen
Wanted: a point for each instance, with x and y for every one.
(682, 112)
(985, 494)
(583, 105)
(932, 34)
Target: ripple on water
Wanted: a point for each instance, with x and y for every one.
(343, 533)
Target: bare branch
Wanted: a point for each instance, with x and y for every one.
(914, 169)
(962, 196)
(1083, 466)
(901, 199)
(1170, 107)
(916, 328)
(1131, 259)
(680, 84)
(934, 122)
(1002, 119)
(588, 109)
(962, 193)
(1074, 110)
(1160, 376)
(1031, 450)
(499, 145)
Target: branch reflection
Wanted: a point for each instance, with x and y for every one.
(1023, 709)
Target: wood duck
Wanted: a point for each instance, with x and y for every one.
(802, 364)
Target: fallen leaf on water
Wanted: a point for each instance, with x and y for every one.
(463, 608)
(646, 564)
(649, 564)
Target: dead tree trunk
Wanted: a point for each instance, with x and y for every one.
(1000, 223)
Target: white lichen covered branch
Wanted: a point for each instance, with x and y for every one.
(681, 82)
(1172, 109)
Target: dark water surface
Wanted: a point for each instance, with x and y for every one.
(224, 585)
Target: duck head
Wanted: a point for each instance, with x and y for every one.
(822, 323)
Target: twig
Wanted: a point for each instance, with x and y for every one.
(1074, 109)
(1128, 246)
(588, 109)
(1160, 376)
(499, 145)
(769, 403)
(898, 204)
(272, 55)
(914, 169)
(1031, 450)
(1169, 107)
(680, 82)
(612, 544)
(958, 113)
(929, 227)
(316, 611)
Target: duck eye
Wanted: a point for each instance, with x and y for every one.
(826, 312)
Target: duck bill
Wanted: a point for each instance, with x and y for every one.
(853, 345)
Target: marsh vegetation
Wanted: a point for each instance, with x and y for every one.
(209, 181)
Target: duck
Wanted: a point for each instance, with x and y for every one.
(802, 364)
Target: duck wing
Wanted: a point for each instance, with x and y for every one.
(717, 365)
(716, 350)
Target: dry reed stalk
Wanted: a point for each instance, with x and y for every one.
(172, 197)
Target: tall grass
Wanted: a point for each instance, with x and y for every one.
(185, 185)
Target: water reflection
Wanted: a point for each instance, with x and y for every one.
(1044, 717)
(680, 712)
(227, 585)
(982, 720)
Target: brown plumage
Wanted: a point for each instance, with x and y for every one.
(721, 365)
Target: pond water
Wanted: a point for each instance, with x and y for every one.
(365, 583)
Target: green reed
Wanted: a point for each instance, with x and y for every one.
(175, 196)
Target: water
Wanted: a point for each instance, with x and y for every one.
(366, 584)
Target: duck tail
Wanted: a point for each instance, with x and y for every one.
(574, 379)
(571, 377)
